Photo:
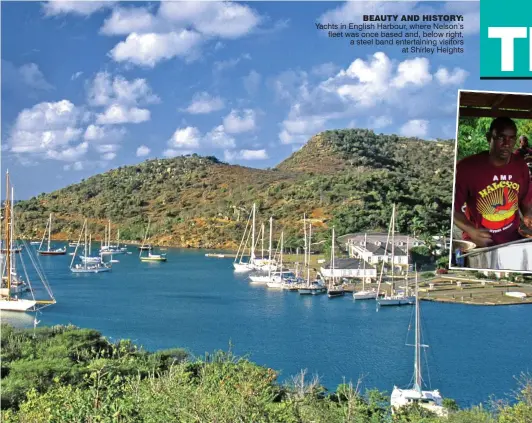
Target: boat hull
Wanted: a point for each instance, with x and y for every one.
(18, 305)
(242, 267)
(430, 400)
(89, 270)
(400, 301)
(335, 293)
(364, 295)
(153, 259)
(52, 253)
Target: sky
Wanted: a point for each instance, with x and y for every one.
(91, 86)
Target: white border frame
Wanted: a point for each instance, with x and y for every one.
(526, 272)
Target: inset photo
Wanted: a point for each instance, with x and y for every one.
(492, 204)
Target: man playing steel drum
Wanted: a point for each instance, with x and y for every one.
(495, 186)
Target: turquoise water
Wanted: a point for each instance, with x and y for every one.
(197, 302)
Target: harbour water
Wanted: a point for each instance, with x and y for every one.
(197, 302)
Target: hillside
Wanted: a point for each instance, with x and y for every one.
(348, 178)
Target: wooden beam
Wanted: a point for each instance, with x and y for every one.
(474, 112)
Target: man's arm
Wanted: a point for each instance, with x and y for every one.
(481, 237)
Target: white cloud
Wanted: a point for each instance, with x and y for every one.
(221, 65)
(379, 122)
(74, 166)
(415, 128)
(456, 77)
(188, 138)
(252, 82)
(117, 114)
(151, 48)
(82, 8)
(76, 76)
(70, 154)
(203, 103)
(107, 148)
(33, 77)
(236, 122)
(219, 138)
(105, 91)
(108, 156)
(48, 116)
(231, 156)
(219, 19)
(143, 151)
(413, 71)
(325, 69)
(126, 20)
(101, 133)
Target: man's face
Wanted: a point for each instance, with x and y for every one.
(502, 142)
(523, 142)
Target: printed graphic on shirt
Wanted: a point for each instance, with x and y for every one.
(498, 204)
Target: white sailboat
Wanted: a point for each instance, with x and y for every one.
(315, 287)
(264, 279)
(110, 249)
(50, 251)
(277, 278)
(365, 294)
(89, 258)
(150, 257)
(10, 280)
(334, 290)
(239, 264)
(396, 298)
(430, 400)
(85, 266)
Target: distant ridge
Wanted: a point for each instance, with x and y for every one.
(348, 178)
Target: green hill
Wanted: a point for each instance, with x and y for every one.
(348, 178)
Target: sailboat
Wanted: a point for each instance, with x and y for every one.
(396, 298)
(87, 267)
(315, 287)
(334, 290)
(430, 400)
(239, 264)
(10, 280)
(263, 279)
(49, 251)
(108, 248)
(365, 294)
(279, 278)
(88, 258)
(150, 256)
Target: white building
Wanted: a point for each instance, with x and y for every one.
(371, 247)
(348, 268)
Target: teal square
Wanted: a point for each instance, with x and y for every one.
(508, 14)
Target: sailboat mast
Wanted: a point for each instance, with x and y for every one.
(393, 248)
(262, 241)
(281, 253)
(49, 231)
(305, 236)
(7, 212)
(364, 270)
(253, 236)
(407, 265)
(109, 235)
(85, 249)
(90, 243)
(270, 250)
(308, 252)
(417, 361)
(12, 247)
(332, 259)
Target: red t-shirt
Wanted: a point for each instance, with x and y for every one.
(493, 194)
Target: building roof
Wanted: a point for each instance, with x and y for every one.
(347, 263)
(372, 237)
(379, 250)
(487, 104)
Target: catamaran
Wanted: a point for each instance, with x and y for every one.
(396, 298)
(86, 266)
(334, 290)
(49, 251)
(150, 256)
(12, 284)
(430, 400)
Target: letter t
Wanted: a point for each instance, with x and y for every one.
(507, 36)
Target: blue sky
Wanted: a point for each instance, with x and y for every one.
(90, 86)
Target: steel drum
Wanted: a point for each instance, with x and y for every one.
(516, 255)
